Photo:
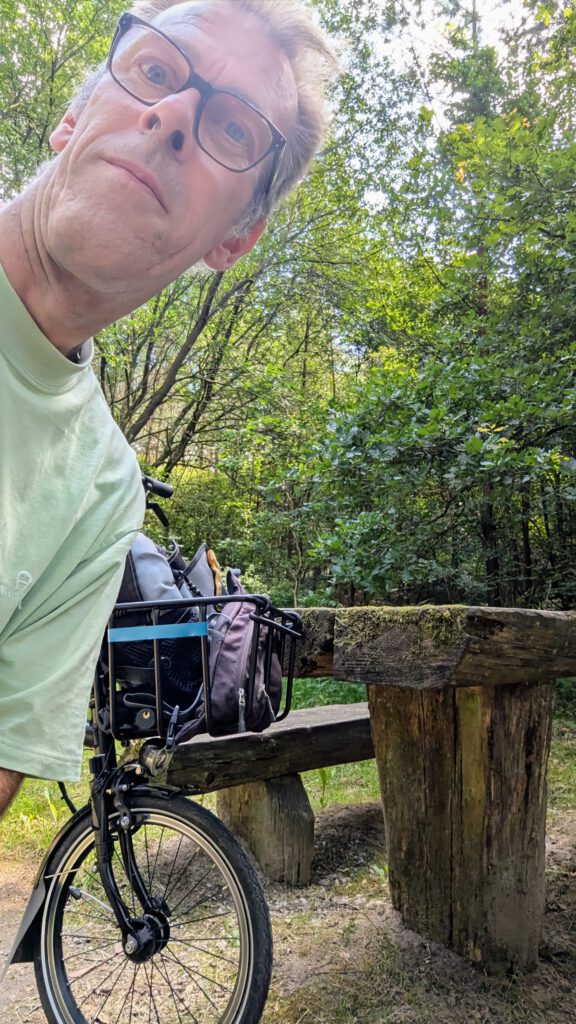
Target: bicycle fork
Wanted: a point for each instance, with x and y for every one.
(148, 933)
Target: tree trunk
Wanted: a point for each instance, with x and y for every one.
(488, 530)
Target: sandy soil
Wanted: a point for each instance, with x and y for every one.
(336, 930)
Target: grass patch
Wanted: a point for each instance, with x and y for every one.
(342, 784)
(314, 693)
(357, 972)
(369, 882)
(37, 814)
(565, 705)
(350, 961)
(562, 767)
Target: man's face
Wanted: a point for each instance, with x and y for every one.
(124, 206)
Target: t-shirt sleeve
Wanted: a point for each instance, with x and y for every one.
(47, 667)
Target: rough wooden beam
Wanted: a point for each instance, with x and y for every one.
(512, 645)
(312, 738)
(315, 651)
(275, 818)
(415, 647)
(463, 781)
(434, 646)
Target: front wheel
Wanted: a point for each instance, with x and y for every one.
(211, 959)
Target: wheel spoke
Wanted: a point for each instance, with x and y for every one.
(174, 859)
(176, 994)
(211, 895)
(107, 997)
(151, 879)
(185, 870)
(203, 959)
(205, 952)
(93, 949)
(94, 967)
(152, 1000)
(182, 922)
(125, 1000)
(196, 974)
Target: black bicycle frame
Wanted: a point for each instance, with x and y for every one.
(111, 785)
(110, 789)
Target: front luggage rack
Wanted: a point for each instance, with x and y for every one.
(144, 711)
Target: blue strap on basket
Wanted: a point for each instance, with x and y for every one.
(131, 634)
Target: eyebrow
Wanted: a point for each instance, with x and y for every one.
(188, 50)
(223, 87)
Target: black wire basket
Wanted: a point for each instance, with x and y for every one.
(154, 676)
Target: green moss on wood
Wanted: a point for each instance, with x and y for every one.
(473, 710)
(432, 628)
(318, 620)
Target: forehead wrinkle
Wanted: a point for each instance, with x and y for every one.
(193, 50)
(199, 15)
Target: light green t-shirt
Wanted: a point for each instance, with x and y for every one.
(71, 502)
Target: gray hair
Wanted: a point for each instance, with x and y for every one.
(314, 64)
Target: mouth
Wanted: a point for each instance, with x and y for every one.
(146, 180)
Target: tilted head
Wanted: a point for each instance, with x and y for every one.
(206, 114)
(312, 61)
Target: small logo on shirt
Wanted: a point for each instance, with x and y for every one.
(23, 580)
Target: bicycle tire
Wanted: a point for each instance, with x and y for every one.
(188, 857)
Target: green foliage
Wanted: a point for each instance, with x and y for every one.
(314, 693)
(562, 773)
(36, 815)
(45, 49)
(565, 706)
(378, 404)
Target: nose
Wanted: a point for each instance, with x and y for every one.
(172, 118)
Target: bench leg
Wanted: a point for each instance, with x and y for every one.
(276, 820)
(463, 781)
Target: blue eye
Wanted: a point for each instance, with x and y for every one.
(235, 131)
(155, 73)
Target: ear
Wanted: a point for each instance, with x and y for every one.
(63, 133)
(225, 254)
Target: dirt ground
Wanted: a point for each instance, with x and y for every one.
(342, 955)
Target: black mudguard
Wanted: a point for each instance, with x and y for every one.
(22, 948)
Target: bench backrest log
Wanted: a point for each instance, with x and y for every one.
(437, 645)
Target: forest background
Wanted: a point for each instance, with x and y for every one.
(377, 405)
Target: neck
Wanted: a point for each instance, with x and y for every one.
(66, 310)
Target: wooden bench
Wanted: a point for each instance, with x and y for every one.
(461, 702)
(257, 776)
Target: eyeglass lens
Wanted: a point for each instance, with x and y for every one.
(149, 67)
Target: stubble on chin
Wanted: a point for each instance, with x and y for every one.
(88, 238)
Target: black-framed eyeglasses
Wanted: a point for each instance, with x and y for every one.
(148, 65)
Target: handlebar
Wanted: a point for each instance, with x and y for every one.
(158, 487)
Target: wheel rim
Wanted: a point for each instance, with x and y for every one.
(202, 976)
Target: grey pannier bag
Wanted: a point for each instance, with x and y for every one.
(148, 576)
(242, 687)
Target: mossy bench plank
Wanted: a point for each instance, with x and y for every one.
(434, 646)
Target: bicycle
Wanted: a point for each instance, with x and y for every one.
(146, 908)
